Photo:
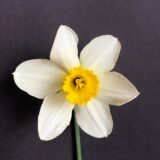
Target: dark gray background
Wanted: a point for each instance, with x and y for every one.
(27, 30)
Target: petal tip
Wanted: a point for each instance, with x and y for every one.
(137, 94)
(42, 137)
(62, 26)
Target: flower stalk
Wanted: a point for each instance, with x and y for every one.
(78, 139)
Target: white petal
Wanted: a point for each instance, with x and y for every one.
(64, 50)
(55, 115)
(101, 53)
(38, 77)
(95, 119)
(116, 89)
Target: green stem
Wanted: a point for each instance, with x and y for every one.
(78, 139)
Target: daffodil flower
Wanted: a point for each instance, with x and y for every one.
(85, 84)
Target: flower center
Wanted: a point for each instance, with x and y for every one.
(80, 85)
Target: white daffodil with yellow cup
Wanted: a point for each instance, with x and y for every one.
(85, 84)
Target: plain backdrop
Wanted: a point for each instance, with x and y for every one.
(27, 31)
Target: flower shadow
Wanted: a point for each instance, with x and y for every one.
(18, 105)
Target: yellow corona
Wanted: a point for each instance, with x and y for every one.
(80, 85)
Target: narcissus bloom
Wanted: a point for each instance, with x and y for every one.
(85, 84)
